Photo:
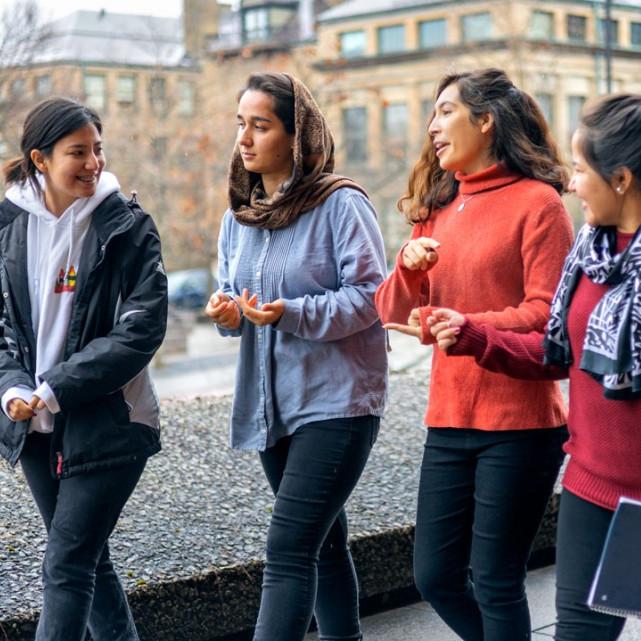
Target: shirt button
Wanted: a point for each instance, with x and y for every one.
(266, 239)
(257, 273)
(26, 349)
(5, 294)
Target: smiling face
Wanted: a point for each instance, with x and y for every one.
(600, 203)
(460, 143)
(73, 168)
(264, 144)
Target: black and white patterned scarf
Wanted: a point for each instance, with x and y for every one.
(612, 346)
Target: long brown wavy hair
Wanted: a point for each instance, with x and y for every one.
(522, 141)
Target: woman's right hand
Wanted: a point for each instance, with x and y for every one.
(223, 310)
(18, 410)
(420, 254)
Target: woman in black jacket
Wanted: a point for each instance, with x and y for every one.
(83, 309)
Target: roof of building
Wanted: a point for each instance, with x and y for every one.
(355, 8)
(102, 37)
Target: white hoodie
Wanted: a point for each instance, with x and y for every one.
(54, 245)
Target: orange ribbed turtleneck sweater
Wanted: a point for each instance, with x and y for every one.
(499, 263)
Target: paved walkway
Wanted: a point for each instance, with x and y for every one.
(418, 622)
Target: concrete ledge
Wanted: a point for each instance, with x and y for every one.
(189, 545)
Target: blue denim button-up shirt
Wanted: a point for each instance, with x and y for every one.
(326, 356)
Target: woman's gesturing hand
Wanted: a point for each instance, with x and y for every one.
(223, 310)
(268, 313)
(420, 253)
(445, 325)
(413, 327)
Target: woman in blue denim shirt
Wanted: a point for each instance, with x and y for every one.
(300, 256)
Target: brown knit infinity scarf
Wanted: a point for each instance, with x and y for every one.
(312, 180)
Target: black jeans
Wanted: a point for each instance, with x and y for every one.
(481, 498)
(81, 588)
(309, 567)
(581, 534)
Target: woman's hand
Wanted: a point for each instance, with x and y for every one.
(413, 327)
(223, 311)
(18, 410)
(268, 314)
(445, 325)
(420, 253)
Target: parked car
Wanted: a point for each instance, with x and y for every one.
(190, 288)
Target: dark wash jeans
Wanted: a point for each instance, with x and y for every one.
(482, 495)
(81, 588)
(581, 534)
(309, 568)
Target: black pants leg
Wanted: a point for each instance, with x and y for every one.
(309, 566)
(481, 499)
(81, 588)
(581, 534)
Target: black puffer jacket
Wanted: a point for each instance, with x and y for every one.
(117, 323)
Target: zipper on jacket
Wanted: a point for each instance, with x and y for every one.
(59, 468)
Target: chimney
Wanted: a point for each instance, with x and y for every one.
(306, 19)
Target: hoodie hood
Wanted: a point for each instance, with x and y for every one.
(31, 200)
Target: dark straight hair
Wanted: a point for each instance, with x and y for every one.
(610, 134)
(280, 88)
(522, 141)
(44, 126)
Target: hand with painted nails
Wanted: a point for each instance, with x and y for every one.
(420, 254)
(413, 327)
(445, 325)
(223, 310)
(19, 410)
(268, 314)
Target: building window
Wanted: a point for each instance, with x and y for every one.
(352, 44)
(158, 94)
(96, 91)
(476, 26)
(186, 97)
(256, 23)
(613, 29)
(18, 87)
(575, 105)
(546, 105)
(126, 90)
(159, 147)
(355, 134)
(395, 117)
(635, 34)
(542, 25)
(391, 39)
(427, 107)
(432, 33)
(577, 28)
(43, 86)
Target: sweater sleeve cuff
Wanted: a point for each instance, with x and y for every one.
(45, 393)
(426, 334)
(472, 341)
(20, 392)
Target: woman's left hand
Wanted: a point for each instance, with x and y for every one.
(413, 327)
(268, 314)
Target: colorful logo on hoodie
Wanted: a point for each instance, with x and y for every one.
(66, 282)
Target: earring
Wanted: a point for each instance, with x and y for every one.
(620, 190)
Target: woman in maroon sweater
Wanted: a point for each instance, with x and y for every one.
(594, 336)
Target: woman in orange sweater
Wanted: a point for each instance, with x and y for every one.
(489, 238)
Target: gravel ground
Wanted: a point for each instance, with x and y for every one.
(202, 505)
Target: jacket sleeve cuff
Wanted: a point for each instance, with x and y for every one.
(45, 393)
(19, 391)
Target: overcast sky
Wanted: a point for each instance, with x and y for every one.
(57, 8)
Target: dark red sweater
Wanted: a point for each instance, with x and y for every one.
(605, 435)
